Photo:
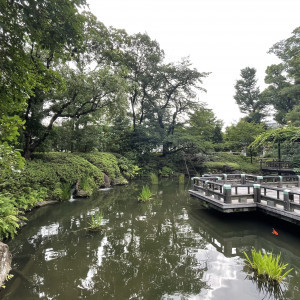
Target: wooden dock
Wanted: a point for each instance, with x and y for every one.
(278, 196)
(279, 167)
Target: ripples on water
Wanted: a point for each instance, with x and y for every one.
(169, 248)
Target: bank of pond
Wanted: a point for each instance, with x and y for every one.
(170, 247)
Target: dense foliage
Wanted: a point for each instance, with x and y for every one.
(54, 176)
(248, 98)
(73, 91)
(283, 79)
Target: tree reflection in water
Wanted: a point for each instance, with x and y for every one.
(169, 248)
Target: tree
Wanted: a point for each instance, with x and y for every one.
(241, 135)
(283, 79)
(277, 136)
(142, 56)
(73, 90)
(33, 34)
(247, 96)
(205, 125)
(293, 117)
(171, 97)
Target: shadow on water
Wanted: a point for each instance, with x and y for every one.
(169, 248)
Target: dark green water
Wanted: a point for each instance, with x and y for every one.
(170, 248)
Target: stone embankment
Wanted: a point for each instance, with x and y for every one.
(5, 261)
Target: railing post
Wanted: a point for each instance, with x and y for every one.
(288, 197)
(286, 200)
(298, 184)
(206, 193)
(193, 184)
(227, 193)
(257, 192)
(280, 182)
(225, 178)
(259, 179)
(243, 178)
(291, 198)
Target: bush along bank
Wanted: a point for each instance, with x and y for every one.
(55, 176)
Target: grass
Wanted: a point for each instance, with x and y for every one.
(145, 195)
(95, 223)
(267, 265)
(66, 191)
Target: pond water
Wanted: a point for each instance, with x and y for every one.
(169, 248)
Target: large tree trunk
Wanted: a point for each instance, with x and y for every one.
(27, 154)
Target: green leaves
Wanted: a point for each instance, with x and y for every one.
(9, 217)
(284, 78)
(11, 163)
(267, 265)
(248, 98)
(285, 134)
(242, 134)
(146, 194)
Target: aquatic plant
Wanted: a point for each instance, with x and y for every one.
(146, 194)
(95, 223)
(154, 178)
(267, 265)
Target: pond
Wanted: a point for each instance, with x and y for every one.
(169, 248)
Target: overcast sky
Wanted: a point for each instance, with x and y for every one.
(219, 36)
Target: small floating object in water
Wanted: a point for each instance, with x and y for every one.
(274, 231)
(105, 189)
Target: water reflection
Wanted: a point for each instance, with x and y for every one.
(169, 248)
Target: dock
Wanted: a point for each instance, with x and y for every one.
(279, 167)
(278, 196)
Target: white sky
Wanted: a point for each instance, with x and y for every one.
(219, 36)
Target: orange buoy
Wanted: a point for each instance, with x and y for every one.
(274, 232)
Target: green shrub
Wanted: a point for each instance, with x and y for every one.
(52, 170)
(105, 162)
(9, 217)
(219, 167)
(145, 195)
(57, 194)
(127, 168)
(165, 172)
(267, 265)
(27, 197)
(227, 162)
